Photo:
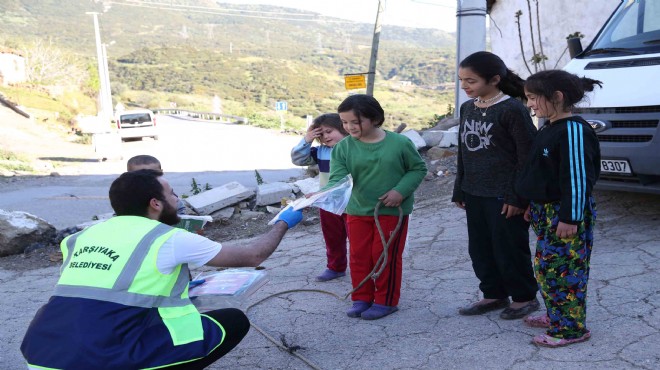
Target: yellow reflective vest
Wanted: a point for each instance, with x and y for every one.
(115, 261)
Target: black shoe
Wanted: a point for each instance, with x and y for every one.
(518, 313)
(478, 309)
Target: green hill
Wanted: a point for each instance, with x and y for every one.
(188, 51)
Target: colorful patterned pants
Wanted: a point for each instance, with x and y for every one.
(562, 268)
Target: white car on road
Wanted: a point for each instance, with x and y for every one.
(136, 123)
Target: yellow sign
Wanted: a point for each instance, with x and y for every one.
(353, 82)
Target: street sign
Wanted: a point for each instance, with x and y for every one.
(281, 106)
(353, 82)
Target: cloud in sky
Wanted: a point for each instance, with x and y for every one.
(439, 14)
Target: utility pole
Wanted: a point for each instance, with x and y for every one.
(107, 90)
(374, 49)
(105, 109)
(471, 37)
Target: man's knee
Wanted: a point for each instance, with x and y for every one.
(233, 320)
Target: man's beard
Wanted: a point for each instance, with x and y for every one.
(169, 216)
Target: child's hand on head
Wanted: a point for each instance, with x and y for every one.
(312, 133)
(391, 199)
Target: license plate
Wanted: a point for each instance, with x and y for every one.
(615, 166)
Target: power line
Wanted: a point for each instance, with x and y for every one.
(223, 11)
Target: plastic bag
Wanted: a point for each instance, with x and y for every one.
(333, 200)
(226, 288)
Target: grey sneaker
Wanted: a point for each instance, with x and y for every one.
(479, 309)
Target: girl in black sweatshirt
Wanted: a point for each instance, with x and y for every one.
(561, 169)
(495, 135)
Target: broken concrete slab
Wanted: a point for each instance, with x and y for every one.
(273, 193)
(415, 138)
(449, 138)
(432, 137)
(212, 200)
(308, 185)
(224, 214)
(273, 210)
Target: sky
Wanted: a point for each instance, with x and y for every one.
(438, 14)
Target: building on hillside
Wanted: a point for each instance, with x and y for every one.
(12, 67)
(558, 19)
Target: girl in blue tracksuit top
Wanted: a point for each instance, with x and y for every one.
(327, 129)
(562, 167)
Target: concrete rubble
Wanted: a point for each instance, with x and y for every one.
(217, 198)
(272, 193)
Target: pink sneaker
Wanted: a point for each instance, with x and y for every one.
(545, 340)
(539, 321)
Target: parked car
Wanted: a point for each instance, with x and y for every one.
(136, 123)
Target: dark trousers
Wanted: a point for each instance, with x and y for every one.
(236, 326)
(499, 249)
(334, 233)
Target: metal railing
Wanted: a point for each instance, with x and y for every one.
(208, 116)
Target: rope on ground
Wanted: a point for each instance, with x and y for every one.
(374, 274)
(281, 344)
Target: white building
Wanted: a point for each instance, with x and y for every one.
(558, 19)
(12, 67)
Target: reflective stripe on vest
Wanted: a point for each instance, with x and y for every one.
(119, 293)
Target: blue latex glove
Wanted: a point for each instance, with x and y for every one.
(291, 217)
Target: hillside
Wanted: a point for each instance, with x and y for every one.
(161, 51)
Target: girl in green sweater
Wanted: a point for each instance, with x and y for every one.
(386, 168)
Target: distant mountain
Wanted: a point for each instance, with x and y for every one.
(134, 25)
(205, 46)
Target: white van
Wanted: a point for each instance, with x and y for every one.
(136, 123)
(625, 56)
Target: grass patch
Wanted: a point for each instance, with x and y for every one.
(85, 139)
(10, 161)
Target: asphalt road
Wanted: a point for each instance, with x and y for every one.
(305, 318)
(209, 152)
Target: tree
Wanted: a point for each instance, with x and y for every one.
(47, 65)
(538, 59)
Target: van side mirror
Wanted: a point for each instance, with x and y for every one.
(574, 46)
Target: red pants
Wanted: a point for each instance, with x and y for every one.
(334, 234)
(366, 248)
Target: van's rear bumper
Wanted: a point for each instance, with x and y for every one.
(135, 132)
